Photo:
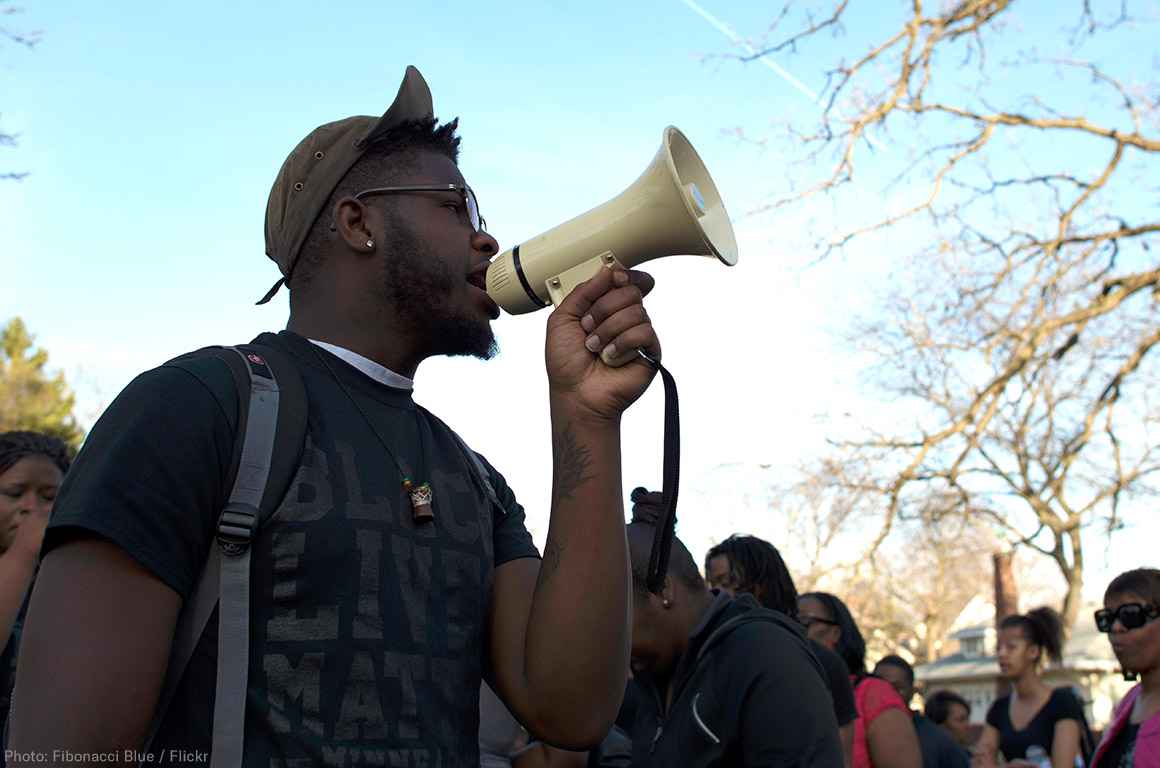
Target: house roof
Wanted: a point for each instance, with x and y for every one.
(1087, 651)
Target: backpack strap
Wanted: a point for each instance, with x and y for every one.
(271, 430)
(478, 471)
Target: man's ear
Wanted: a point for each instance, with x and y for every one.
(353, 225)
(667, 593)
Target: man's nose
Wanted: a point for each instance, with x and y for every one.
(485, 243)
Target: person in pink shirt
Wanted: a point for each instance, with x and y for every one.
(884, 735)
(1129, 616)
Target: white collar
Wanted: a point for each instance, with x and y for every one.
(379, 373)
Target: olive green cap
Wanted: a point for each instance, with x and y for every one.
(320, 161)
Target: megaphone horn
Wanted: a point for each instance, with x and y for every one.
(672, 209)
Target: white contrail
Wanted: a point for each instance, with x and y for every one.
(726, 30)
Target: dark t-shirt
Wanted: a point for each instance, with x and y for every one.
(838, 678)
(366, 628)
(1063, 705)
(1121, 753)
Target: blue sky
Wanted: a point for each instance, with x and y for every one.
(153, 132)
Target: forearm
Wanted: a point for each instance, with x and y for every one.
(1065, 744)
(846, 734)
(16, 571)
(577, 645)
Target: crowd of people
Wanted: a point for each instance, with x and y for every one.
(731, 666)
(393, 608)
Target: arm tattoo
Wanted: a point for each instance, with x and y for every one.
(551, 562)
(570, 470)
(570, 467)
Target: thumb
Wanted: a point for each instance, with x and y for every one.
(642, 280)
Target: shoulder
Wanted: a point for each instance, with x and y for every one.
(762, 644)
(1066, 703)
(190, 395)
(831, 662)
(997, 710)
(1129, 699)
(479, 463)
(153, 472)
(769, 631)
(876, 696)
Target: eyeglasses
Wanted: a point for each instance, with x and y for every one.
(478, 223)
(809, 621)
(1131, 616)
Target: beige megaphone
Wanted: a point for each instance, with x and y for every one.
(672, 209)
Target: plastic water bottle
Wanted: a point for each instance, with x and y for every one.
(1039, 756)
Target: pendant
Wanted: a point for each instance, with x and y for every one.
(421, 510)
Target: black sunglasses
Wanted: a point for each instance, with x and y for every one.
(1131, 616)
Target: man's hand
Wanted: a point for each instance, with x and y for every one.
(29, 535)
(606, 311)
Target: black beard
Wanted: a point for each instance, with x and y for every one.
(419, 284)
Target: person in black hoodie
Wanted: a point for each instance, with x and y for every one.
(723, 681)
(753, 565)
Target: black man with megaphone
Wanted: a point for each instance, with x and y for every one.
(314, 565)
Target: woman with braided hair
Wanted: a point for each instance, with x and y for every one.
(32, 466)
(1036, 726)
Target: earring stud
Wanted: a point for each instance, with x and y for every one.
(370, 243)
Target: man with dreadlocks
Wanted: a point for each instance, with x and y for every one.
(32, 466)
(753, 565)
(725, 682)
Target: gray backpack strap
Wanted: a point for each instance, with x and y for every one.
(236, 528)
(480, 471)
(272, 426)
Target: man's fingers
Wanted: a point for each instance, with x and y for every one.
(636, 337)
(580, 300)
(601, 335)
(609, 304)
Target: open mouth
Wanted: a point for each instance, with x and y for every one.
(477, 278)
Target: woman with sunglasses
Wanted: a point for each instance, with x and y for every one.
(1129, 616)
(1036, 726)
(884, 735)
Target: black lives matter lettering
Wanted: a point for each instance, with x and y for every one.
(372, 625)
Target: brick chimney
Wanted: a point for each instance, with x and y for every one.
(1006, 599)
(1006, 591)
